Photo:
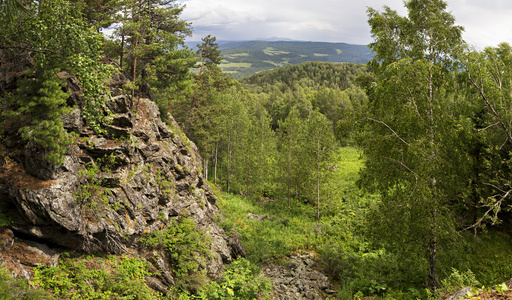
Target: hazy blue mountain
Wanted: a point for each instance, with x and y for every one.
(244, 58)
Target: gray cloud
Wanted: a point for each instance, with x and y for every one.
(487, 23)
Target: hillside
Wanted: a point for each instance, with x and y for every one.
(312, 74)
(244, 58)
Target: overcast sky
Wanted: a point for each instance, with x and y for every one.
(486, 23)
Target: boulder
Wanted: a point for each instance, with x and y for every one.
(299, 279)
(256, 217)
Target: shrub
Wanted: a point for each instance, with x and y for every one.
(96, 278)
(240, 281)
(11, 288)
(186, 248)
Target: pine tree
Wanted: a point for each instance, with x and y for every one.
(40, 102)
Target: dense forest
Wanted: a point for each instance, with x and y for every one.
(395, 174)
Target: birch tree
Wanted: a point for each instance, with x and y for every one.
(406, 117)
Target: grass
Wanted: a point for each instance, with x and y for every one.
(277, 64)
(236, 65)
(320, 54)
(343, 193)
(284, 231)
(243, 54)
(295, 229)
(271, 51)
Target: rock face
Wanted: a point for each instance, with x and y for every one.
(114, 187)
(299, 279)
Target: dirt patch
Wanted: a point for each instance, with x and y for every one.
(15, 174)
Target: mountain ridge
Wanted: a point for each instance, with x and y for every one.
(245, 58)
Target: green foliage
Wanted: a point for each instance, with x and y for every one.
(12, 288)
(273, 238)
(39, 102)
(186, 247)
(454, 282)
(100, 14)
(113, 278)
(10, 9)
(408, 133)
(239, 281)
(488, 256)
(488, 74)
(148, 43)
(326, 87)
(457, 280)
(310, 74)
(501, 288)
(59, 39)
(165, 183)
(92, 197)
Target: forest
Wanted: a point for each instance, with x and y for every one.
(395, 174)
(245, 58)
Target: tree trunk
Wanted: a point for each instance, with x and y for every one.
(122, 52)
(134, 77)
(194, 98)
(215, 162)
(296, 191)
(227, 170)
(433, 276)
(205, 164)
(318, 184)
(289, 176)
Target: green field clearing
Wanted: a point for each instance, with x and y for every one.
(272, 51)
(236, 65)
(339, 51)
(272, 63)
(320, 54)
(238, 54)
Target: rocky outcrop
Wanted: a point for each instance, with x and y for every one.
(299, 279)
(113, 187)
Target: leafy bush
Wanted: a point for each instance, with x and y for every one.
(240, 281)
(92, 197)
(455, 282)
(96, 278)
(489, 257)
(11, 288)
(187, 249)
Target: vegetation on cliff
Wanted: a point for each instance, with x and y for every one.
(395, 176)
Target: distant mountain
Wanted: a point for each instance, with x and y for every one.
(244, 58)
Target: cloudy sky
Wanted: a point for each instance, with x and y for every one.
(486, 23)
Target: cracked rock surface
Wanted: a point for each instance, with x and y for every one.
(113, 187)
(299, 279)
